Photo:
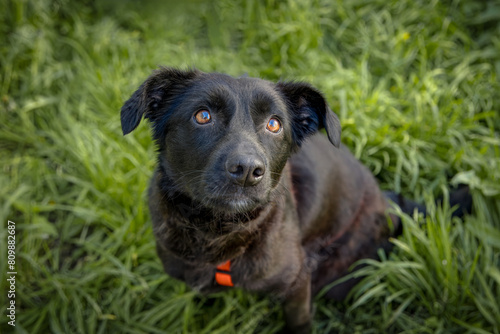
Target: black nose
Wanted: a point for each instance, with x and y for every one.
(245, 170)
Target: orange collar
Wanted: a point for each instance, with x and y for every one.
(224, 277)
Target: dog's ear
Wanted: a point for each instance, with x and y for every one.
(310, 112)
(132, 111)
(154, 94)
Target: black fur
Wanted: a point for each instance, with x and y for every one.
(291, 211)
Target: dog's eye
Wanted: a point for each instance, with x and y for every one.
(273, 125)
(202, 117)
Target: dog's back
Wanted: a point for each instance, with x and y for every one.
(340, 207)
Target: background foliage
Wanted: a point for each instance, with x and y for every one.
(416, 86)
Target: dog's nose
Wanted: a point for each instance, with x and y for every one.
(246, 170)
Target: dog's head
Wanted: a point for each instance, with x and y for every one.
(224, 141)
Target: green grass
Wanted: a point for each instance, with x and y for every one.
(416, 85)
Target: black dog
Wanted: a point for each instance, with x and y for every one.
(248, 194)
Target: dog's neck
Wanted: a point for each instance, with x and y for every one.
(190, 227)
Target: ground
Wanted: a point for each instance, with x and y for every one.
(415, 84)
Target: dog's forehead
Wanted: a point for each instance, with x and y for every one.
(246, 88)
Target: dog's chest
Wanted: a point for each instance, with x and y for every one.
(268, 264)
(266, 272)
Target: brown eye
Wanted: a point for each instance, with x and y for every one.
(202, 117)
(273, 125)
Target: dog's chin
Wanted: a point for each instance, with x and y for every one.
(234, 205)
(241, 205)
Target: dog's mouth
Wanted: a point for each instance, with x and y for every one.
(241, 205)
(232, 199)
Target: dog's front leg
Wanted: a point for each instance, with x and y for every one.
(297, 306)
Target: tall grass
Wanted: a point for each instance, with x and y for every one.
(415, 84)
